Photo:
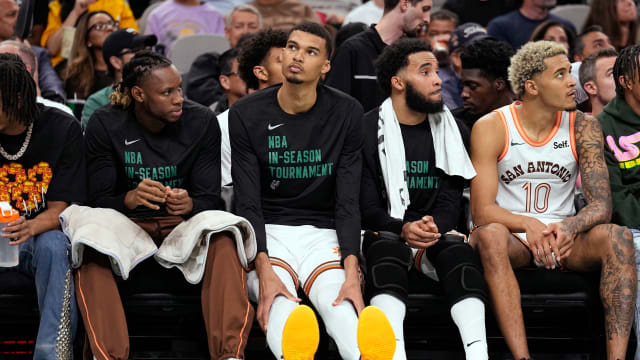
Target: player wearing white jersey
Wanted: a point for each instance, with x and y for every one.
(527, 157)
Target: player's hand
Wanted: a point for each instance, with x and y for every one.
(179, 202)
(351, 291)
(564, 238)
(19, 230)
(148, 191)
(541, 244)
(270, 287)
(420, 234)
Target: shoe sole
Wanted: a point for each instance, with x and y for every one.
(301, 335)
(376, 339)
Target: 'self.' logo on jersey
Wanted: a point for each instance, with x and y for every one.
(560, 145)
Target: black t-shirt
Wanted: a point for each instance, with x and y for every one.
(431, 191)
(299, 169)
(51, 169)
(185, 154)
(423, 178)
(353, 71)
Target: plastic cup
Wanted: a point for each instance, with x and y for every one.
(9, 254)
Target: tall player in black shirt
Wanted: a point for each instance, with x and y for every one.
(296, 165)
(155, 157)
(416, 225)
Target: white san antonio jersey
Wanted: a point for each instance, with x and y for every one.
(537, 179)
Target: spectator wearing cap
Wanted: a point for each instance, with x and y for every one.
(118, 48)
(352, 69)
(450, 71)
(517, 26)
(176, 18)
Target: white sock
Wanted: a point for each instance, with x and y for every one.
(395, 310)
(468, 314)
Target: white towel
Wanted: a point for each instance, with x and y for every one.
(451, 155)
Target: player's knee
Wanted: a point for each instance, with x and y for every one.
(460, 272)
(388, 263)
(491, 240)
(615, 237)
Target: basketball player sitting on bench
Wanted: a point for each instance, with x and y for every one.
(527, 156)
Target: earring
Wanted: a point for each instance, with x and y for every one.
(89, 45)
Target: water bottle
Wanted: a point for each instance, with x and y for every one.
(9, 254)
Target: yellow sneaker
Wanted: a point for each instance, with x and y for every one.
(301, 335)
(376, 339)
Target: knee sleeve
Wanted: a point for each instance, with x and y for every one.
(458, 268)
(388, 262)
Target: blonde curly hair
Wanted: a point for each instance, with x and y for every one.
(529, 60)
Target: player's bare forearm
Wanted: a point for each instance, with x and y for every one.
(595, 177)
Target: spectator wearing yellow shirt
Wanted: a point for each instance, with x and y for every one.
(65, 13)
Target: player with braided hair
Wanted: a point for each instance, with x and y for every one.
(155, 158)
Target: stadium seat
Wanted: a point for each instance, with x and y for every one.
(575, 13)
(187, 48)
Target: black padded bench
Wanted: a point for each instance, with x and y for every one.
(562, 314)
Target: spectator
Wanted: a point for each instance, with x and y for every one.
(186, 157)
(399, 194)
(231, 82)
(352, 69)
(347, 31)
(50, 84)
(485, 82)
(28, 57)
(243, 19)
(176, 18)
(517, 26)
(284, 14)
(368, 13)
(65, 14)
(588, 42)
(8, 18)
(618, 19)
(450, 71)
(117, 51)
(201, 82)
(527, 215)
(87, 72)
(37, 139)
(442, 26)
(555, 31)
(620, 122)
(596, 78)
(479, 11)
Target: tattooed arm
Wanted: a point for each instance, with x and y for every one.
(595, 183)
